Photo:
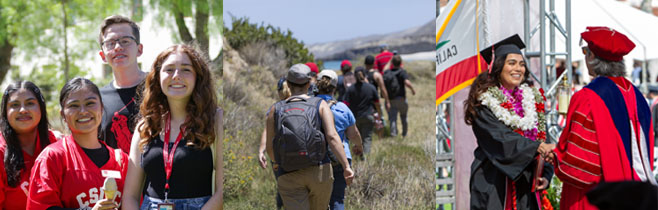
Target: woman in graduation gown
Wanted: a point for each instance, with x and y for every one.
(507, 117)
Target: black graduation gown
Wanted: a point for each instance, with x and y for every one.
(502, 153)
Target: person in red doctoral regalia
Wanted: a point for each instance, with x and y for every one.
(609, 135)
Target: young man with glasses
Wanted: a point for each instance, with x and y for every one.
(120, 47)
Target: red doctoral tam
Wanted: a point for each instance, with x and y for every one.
(607, 43)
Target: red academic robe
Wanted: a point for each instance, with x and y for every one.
(591, 148)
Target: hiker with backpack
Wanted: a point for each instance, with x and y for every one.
(346, 127)
(345, 80)
(299, 131)
(396, 80)
(377, 79)
(363, 100)
(283, 91)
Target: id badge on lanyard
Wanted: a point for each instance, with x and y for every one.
(166, 206)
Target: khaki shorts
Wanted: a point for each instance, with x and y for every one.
(308, 188)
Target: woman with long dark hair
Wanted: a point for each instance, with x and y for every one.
(25, 134)
(177, 148)
(72, 172)
(363, 100)
(507, 117)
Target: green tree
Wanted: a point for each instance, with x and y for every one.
(58, 32)
(243, 33)
(207, 16)
(58, 35)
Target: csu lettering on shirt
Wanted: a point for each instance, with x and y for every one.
(95, 195)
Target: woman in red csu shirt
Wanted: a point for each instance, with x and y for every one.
(24, 128)
(70, 173)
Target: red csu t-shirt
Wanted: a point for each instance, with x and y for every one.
(382, 59)
(64, 176)
(16, 197)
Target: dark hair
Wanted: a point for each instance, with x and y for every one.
(201, 108)
(370, 60)
(324, 85)
(396, 61)
(360, 74)
(346, 68)
(116, 19)
(78, 83)
(13, 158)
(483, 82)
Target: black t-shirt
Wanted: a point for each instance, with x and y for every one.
(402, 76)
(361, 98)
(120, 108)
(99, 156)
(191, 174)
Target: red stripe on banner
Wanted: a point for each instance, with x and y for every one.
(457, 77)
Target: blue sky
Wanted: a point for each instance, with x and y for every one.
(316, 21)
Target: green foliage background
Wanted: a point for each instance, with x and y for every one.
(243, 32)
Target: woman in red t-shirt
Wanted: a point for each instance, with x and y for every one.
(71, 173)
(24, 129)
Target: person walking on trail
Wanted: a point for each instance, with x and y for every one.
(345, 80)
(120, 47)
(363, 100)
(346, 127)
(608, 136)
(375, 78)
(383, 58)
(306, 127)
(313, 90)
(396, 80)
(283, 92)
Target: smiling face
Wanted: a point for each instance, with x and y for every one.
(177, 76)
(513, 71)
(82, 111)
(117, 56)
(23, 111)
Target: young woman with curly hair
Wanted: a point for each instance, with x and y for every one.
(173, 151)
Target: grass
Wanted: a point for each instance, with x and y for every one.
(398, 174)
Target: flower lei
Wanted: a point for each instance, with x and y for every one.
(528, 120)
(532, 124)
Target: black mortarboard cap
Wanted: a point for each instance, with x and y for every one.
(512, 44)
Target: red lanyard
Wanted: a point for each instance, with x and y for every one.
(169, 158)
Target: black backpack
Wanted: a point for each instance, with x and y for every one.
(299, 141)
(392, 82)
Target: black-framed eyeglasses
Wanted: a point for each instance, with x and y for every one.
(585, 50)
(123, 42)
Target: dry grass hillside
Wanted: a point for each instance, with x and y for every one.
(399, 173)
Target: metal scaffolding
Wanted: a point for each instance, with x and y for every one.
(547, 57)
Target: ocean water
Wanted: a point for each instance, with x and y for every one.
(333, 64)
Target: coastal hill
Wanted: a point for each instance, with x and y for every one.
(412, 40)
